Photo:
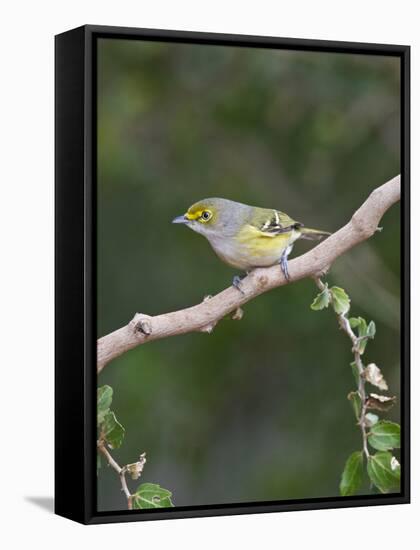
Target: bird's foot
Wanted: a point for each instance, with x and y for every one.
(283, 265)
(237, 283)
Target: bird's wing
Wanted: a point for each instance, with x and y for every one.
(274, 222)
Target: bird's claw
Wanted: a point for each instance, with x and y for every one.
(284, 268)
(237, 283)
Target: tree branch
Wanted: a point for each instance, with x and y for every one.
(204, 316)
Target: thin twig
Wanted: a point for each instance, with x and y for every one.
(345, 326)
(120, 471)
(125, 488)
(204, 316)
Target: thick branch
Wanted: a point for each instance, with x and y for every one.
(204, 316)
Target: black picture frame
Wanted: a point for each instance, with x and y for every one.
(75, 275)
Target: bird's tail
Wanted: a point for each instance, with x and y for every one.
(313, 234)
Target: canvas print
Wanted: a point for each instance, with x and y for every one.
(248, 280)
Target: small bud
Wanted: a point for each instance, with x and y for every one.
(237, 314)
(136, 468)
(144, 326)
(394, 463)
(141, 323)
(208, 328)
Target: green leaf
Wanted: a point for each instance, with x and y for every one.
(104, 402)
(384, 436)
(322, 300)
(354, 397)
(340, 300)
(355, 372)
(351, 478)
(360, 324)
(362, 346)
(150, 495)
(362, 327)
(371, 330)
(112, 430)
(384, 471)
(365, 332)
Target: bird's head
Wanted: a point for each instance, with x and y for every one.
(209, 216)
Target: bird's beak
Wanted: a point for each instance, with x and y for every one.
(180, 219)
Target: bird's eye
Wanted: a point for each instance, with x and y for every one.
(206, 215)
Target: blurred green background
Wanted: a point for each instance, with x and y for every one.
(257, 410)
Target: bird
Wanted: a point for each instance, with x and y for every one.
(247, 237)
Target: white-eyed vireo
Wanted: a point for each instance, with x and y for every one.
(246, 237)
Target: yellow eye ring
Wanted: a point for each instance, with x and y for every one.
(205, 216)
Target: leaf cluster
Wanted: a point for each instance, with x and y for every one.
(383, 469)
(111, 433)
(110, 430)
(336, 296)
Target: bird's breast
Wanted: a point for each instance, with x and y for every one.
(249, 249)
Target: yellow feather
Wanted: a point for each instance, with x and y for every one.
(261, 244)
